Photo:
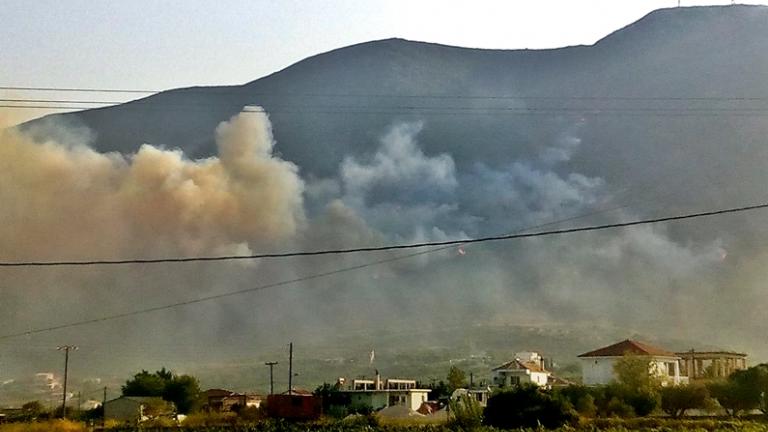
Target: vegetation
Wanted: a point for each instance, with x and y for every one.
(526, 406)
(465, 413)
(675, 401)
(456, 378)
(182, 390)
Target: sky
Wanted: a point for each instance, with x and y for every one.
(148, 44)
(160, 45)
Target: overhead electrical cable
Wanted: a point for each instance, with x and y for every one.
(369, 249)
(442, 245)
(241, 89)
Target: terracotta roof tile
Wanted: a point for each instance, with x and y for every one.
(629, 347)
(518, 364)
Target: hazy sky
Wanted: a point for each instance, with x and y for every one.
(164, 44)
(157, 45)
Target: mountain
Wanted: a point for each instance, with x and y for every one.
(329, 106)
(400, 141)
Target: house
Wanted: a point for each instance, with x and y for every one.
(221, 400)
(294, 406)
(480, 395)
(134, 409)
(526, 368)
(379, 394)
(711, 364)
(597, 367)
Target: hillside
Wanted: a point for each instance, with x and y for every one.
(398, 141)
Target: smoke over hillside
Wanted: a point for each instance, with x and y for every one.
(64, 200)
(339, 179)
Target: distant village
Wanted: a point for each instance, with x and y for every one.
(402, 397)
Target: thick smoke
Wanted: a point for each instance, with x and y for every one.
(66, 201)
(62, 200)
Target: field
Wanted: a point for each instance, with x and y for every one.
(606, 425)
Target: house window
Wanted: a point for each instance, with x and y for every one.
(671, 369)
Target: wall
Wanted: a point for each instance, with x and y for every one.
(597, 370)
(122, 410)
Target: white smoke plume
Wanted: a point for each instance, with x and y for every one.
(66, 201)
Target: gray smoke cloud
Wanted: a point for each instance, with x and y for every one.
(63, 200)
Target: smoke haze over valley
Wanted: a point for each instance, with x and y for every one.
(395, 141)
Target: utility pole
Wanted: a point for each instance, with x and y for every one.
(66, 349)
(271, 365)
(290, 368)
(79, 402)
(104, 409)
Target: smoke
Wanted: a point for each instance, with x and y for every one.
(66, 201)
(63, 200)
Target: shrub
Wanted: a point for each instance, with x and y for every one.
(466, 413)
(526, 406)
(675, 401)
(732, 396)
(580, 398)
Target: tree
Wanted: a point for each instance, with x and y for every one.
(580, 398)
(146, 384)
(466, 413)
(675, 401)
(33, 408)
(636, 373)
(456, 378)
(526, 406)
(732, 396)
(183, 391)
(754, 385)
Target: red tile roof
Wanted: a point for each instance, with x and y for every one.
(629, 347)
(518, 364)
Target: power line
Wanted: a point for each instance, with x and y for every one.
(442, 246)
(235, 88)
(436, 111)
(384, 248)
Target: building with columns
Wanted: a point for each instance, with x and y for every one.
(711, 364)
(597, 367)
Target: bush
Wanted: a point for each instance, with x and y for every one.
(675, 401)
(48, 426)
(732, 396)
(526, 407)
(643, 402)
(580, 398)
(466, 413)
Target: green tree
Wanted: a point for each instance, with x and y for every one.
(754, 385)
(456, 378)
(732, 395)
(183, 391)
(33, 408)
(676, 400)
(637, 372)
(526, 406)
(466, 413)
(146, 384)
(580, 398)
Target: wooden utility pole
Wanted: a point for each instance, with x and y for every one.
(271, 365)
(66, 349)
(290, 368)
(104, 409)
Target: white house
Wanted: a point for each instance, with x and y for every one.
(597, 367)
(379, 393)
(136, 408)
(527, 367)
